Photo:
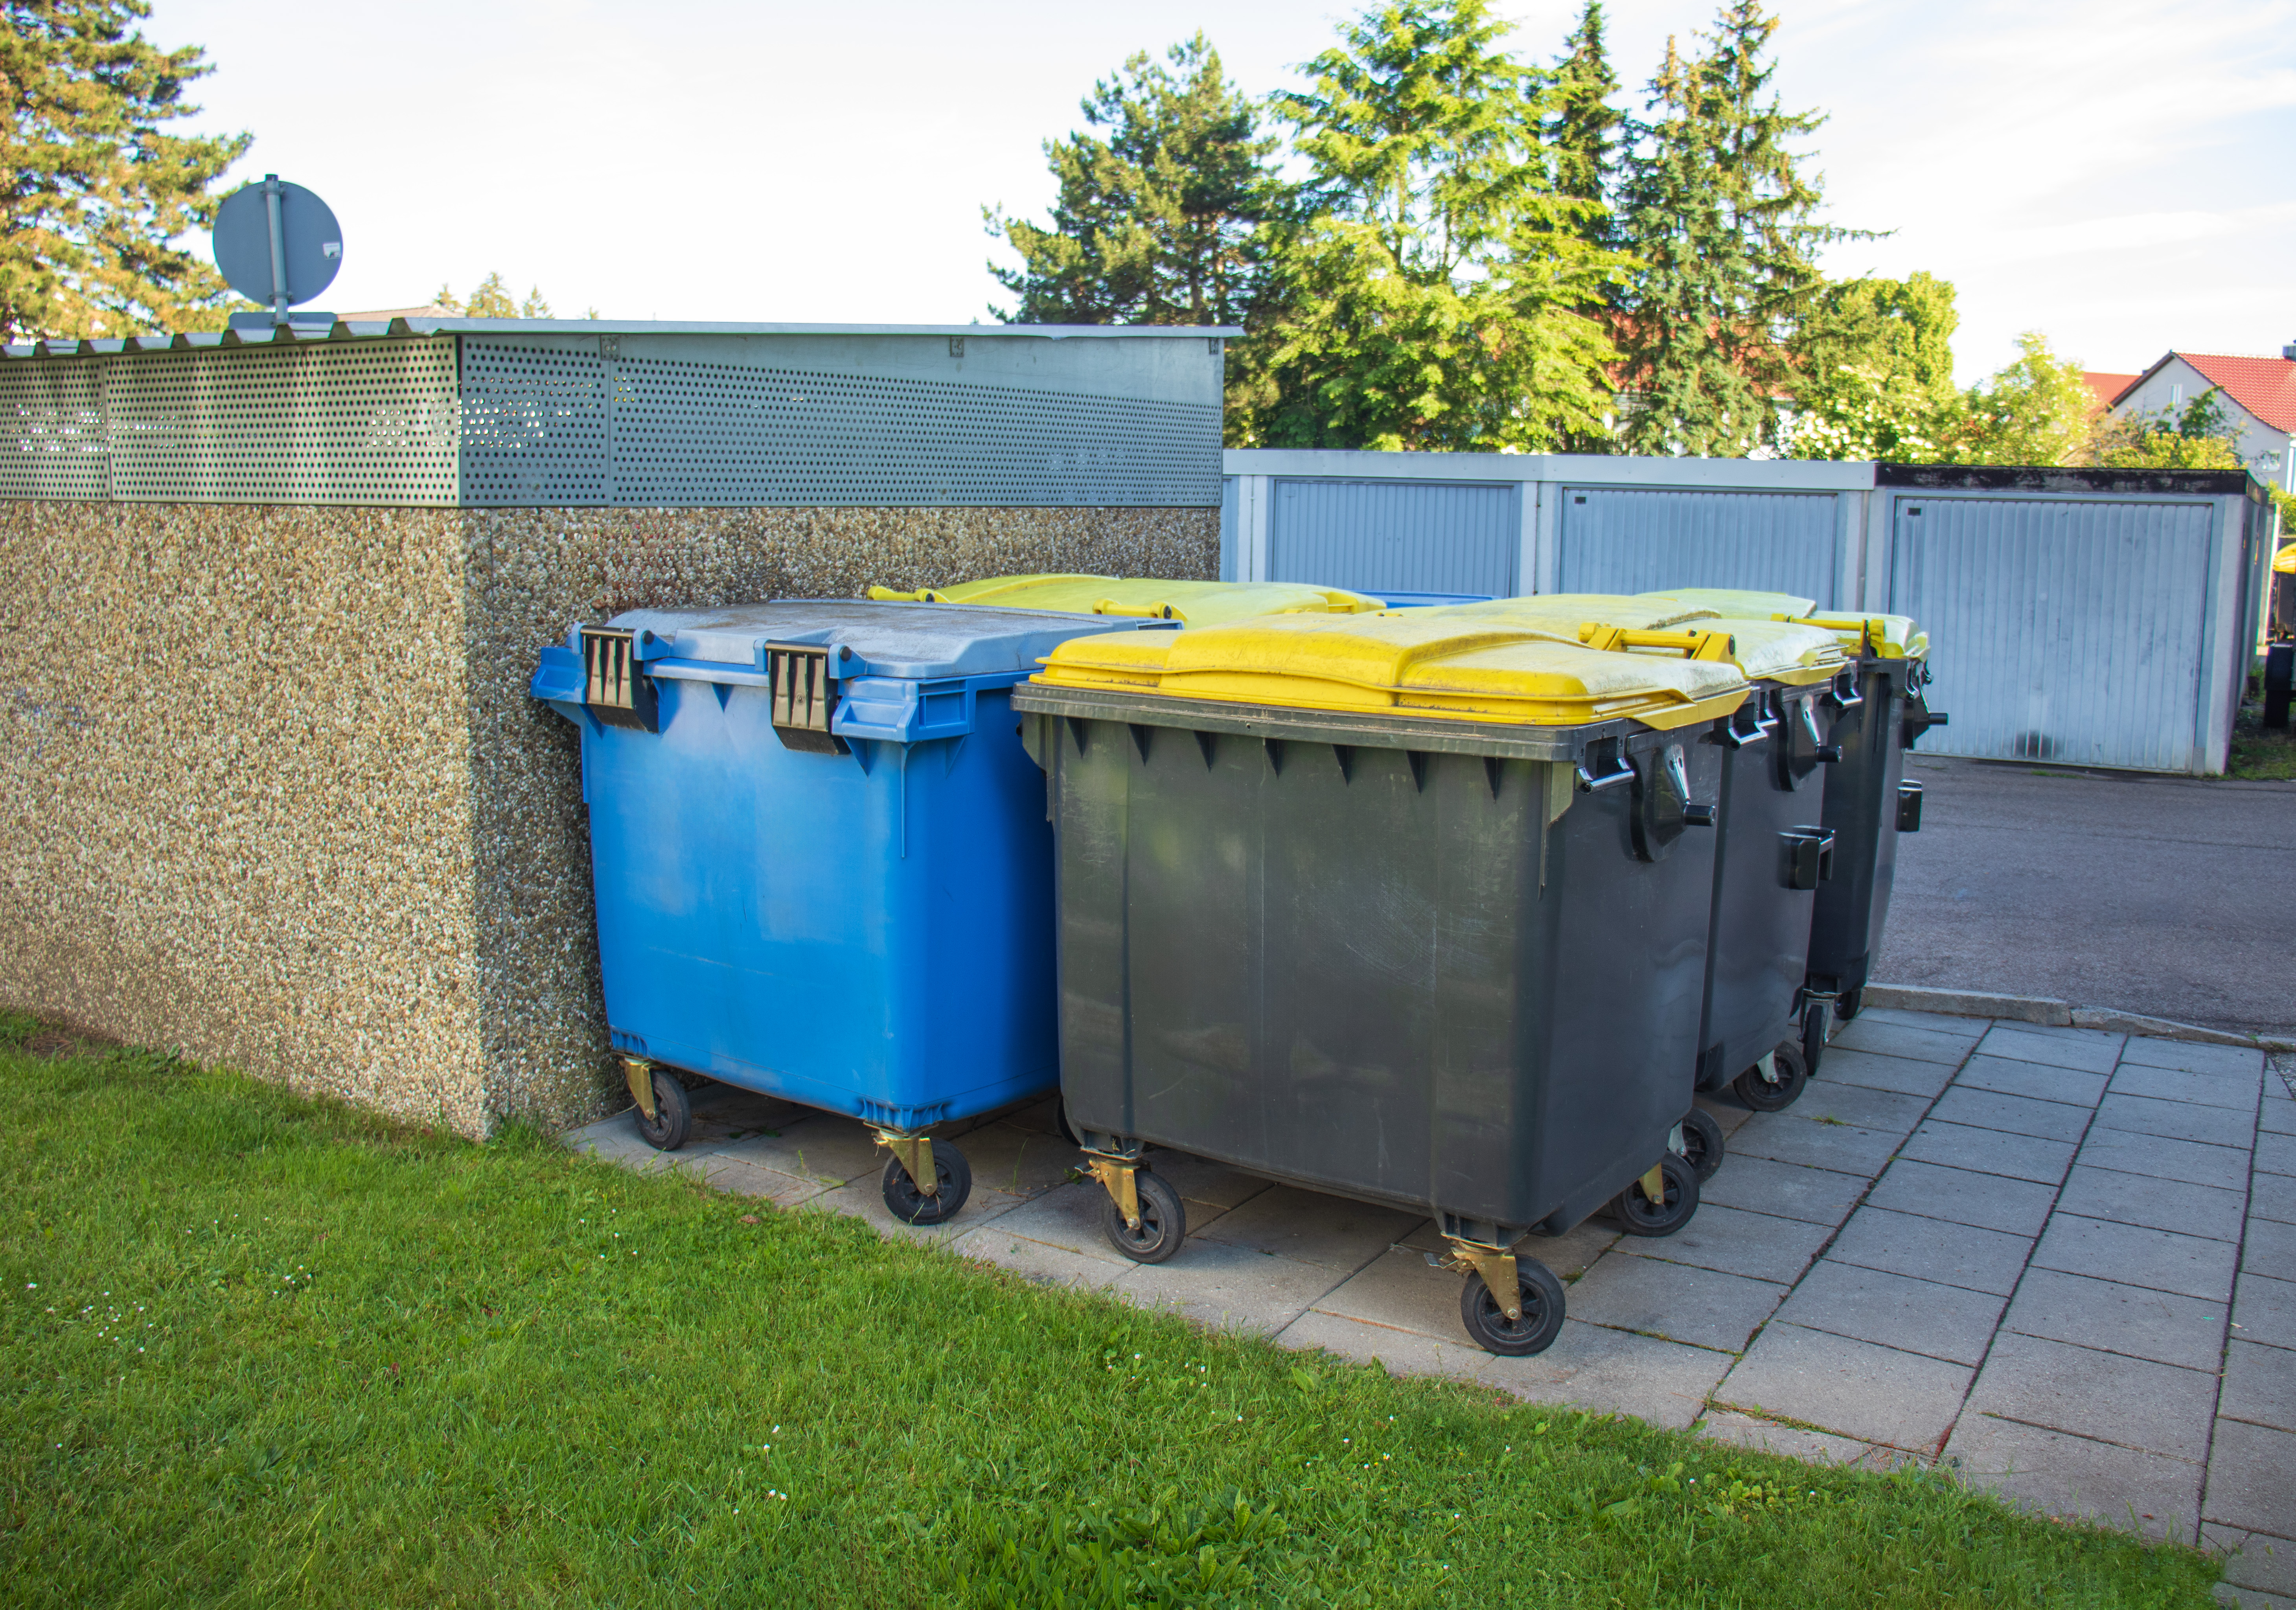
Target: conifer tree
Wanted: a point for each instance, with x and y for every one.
(1585, 131)
(1718, 208)
(1435, 299)
(96, 191)
(1163, 220)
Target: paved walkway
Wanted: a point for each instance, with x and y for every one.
(2062, 1261)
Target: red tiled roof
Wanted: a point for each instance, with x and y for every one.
(2265, 386)
(2107, 387)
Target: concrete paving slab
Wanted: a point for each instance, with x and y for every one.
(1844, 1065)
(748, 1180)
(2248, 1599)
(613, 1141)
(1723, 1107)
(2177, 1120)
(864, 1200)
(2264, 1310)
(1017, 1162)
(1989, 1151)
(1989, 1201)
(1794, 1442)
(1399, 1290)
(2259, 1386)
(2078, 1477)
(1701, 1306)
(1037, 1260)
(2272, 1196)
(1945, 1323)
(1788, 1137)
(2275, 1154)
(1229, 1287)
(1852, 1388)
(2276, 1117)
(2270, 1249)
(2167, 1158)
(1818, 1195)
(1932, 1249)
(1200, 1180)
(1068, 1217)
(2248, 1478)
(1333, 1231)
(2193, 1058)
(2238, 1092)
(2011, 1115)
(2193, 1209)
(2254, 1560)
(1735, 1242)
(819, 1147)
(2135, 1254)
(2037, 1080)
(1860, 1107)
(2163, 1327)
(2086, 1049)
(1571, 1253)
(1899, 1014)
(2135, 1403)
(1940, 1040)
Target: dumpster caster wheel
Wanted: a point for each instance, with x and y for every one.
(1701, 1143)
(911, 1206)
(1769, 1092)
(1846, 1004)
(1638, 1215)
(1542, 1312)
(1060, 1117)
(673, 1114)
(1163, 1222)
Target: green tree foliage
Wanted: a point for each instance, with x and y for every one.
(2200, 436)
(1717, 207)
(1163, 221)
(1434, 298)
(1874, 372)
(97, 192)
(1585, 134)
(2035, 411)
(492, 300)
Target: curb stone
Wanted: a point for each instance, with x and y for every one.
(2058, 1014)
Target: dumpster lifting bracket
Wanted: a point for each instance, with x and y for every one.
(639, 1072)
(1496, 1265)
(1115, 1175)
(916, 1155)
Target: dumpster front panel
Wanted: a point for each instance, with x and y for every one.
(1374, 971)
(1861, 807)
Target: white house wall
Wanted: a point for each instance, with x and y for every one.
(2177, 384)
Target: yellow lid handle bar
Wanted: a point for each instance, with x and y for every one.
(1158, 612)
(923, 596)
(1689, 644)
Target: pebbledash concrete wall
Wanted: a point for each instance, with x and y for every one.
(275, 793)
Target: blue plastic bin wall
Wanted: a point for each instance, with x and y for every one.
(848, 906)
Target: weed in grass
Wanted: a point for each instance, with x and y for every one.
(268, 1351)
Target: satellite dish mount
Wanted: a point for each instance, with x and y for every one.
(278, 244)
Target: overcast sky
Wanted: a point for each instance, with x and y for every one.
(2114, 173)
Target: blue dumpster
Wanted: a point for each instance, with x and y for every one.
(821, 862)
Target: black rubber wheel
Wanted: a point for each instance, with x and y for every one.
(1816, 1028)
(1638, 1215)
(1060, 1117)
(1775, 1095)
(1701, 1143)
(911, 1206)
(1163, 1222)
(673, 1117)
(1846, 1004)
(1541, 1295)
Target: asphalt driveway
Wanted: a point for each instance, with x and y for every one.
(2170, 896)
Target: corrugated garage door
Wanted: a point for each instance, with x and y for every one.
(2064, 631)
(1403, 536)
(1613, 539)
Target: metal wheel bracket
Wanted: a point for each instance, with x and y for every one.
(1115, 1175)
(916, 1155)
(1767, 1067)
(1675, 1144)
(1496, 1265)
(1653, 1184)
(639, 1073)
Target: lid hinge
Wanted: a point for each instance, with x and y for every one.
(804, 695)
(614, 689)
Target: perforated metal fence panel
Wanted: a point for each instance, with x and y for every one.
(1613, 539)
(1397, 537)
(51, 436)
(557, 420)
(2063, 630)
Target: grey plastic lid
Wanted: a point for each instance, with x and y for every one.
(915, 641)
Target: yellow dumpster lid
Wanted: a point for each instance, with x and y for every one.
(1425, 662)
(1781, 651)
(2285, 561)
(1885, 636)
(1191, 603)
(1646, 613)
(1740, 603)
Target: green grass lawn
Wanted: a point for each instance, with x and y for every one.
(266, 1351)
(2256, 752)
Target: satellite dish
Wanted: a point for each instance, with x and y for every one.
(277, 244)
